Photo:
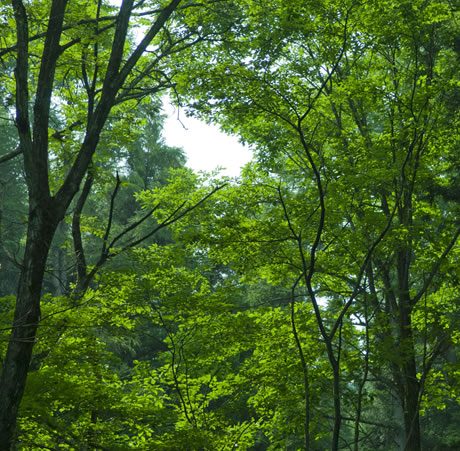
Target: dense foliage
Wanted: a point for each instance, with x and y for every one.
(311, 303)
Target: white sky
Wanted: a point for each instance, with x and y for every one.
(205, 145)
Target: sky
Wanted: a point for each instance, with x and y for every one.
(205, 145)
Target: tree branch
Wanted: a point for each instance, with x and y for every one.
(51, 52)
(21, 73)
(113, 81)
(104, 248)
(10, 155)
(38, 36)
(76, 229)
(172, 218)
(140, 49)
(435, 268)
(132, 226)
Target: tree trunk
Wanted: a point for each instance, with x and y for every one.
(59, 271)
(337, 406)
(411, 385)
(41, 228)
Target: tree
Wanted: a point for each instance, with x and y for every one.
(351, 119)
(89, 65)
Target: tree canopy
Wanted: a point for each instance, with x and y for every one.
(310, 303)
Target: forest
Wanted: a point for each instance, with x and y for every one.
(311, 303)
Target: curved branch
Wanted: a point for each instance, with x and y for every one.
(76, 229)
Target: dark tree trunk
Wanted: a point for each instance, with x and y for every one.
(41, 228)
(410, 385)
(337, 405)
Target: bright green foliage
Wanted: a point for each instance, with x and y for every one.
(352, 117)
(321, 284)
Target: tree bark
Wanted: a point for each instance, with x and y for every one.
(41, 228)
(411, 404)
(410, 382)
(410, 388)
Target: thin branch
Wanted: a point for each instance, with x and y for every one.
(76, 228)
(104, 249)
(133, 226)
(331, 72)
(371, 250)
(10, 155)
(435, 268)
(175, 216)
(362, 270)
(174, 366)
(172, 218)
(65, 28)
(306, 381)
